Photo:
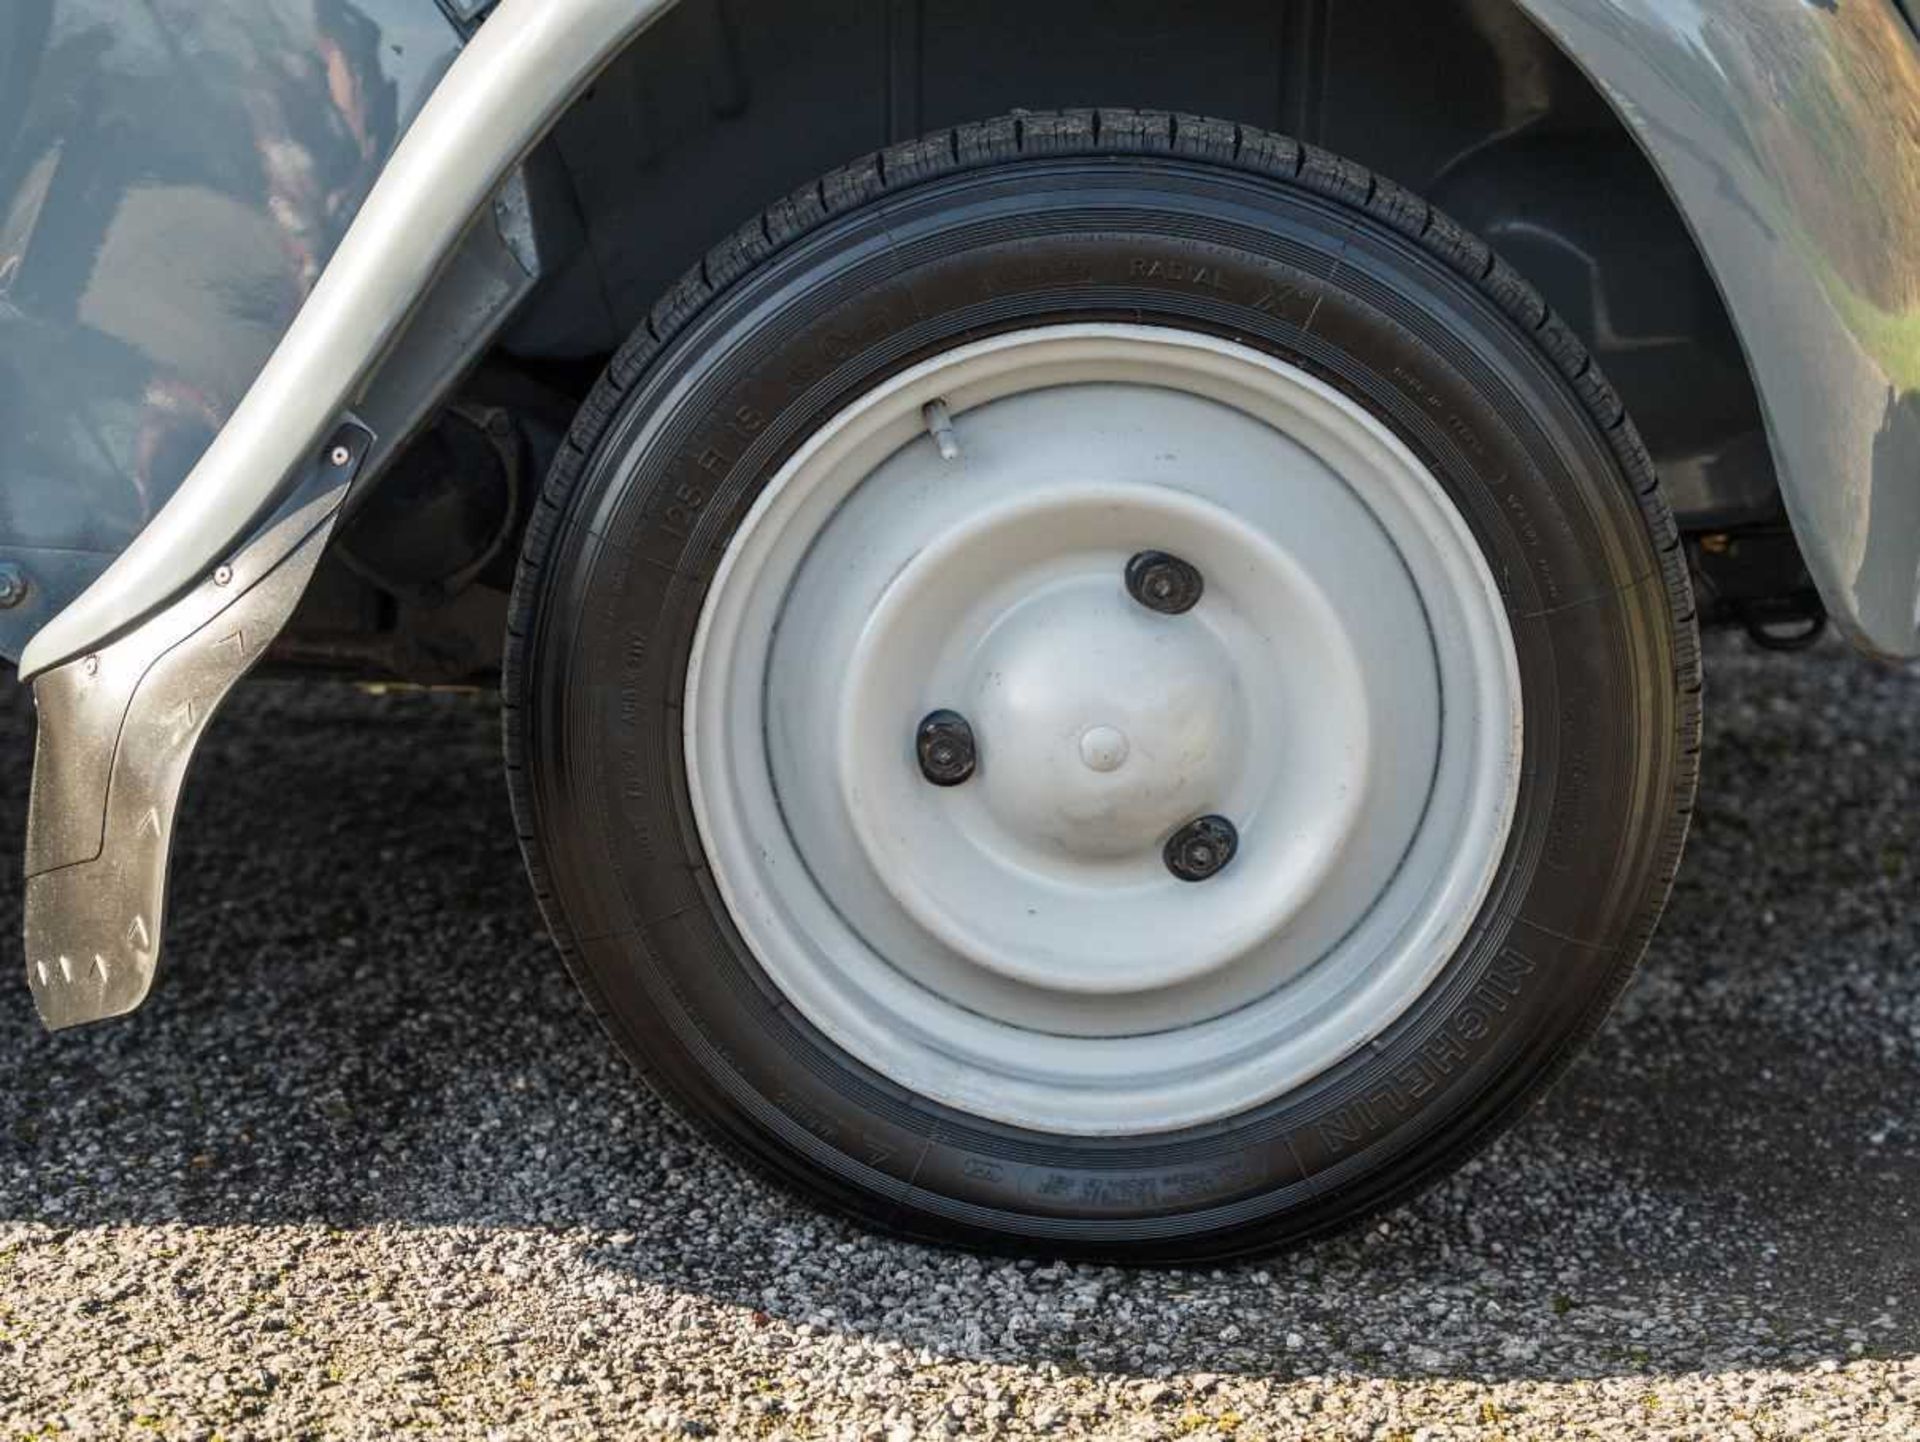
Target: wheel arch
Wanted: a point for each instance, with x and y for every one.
(1801, 224)
(1712, 196)
(712, 114)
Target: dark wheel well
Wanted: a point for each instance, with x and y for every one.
(723, 107)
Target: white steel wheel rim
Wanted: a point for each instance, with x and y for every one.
(1346, 691)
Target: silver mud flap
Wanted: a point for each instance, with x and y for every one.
(117, 730)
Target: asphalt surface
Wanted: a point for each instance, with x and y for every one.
(365, 1167)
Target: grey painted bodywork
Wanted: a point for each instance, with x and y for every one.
(128, 676)
(174, 178)
(506, 89)
(1789, 134)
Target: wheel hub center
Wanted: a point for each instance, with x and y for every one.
(1102, 726)
(1104, 748)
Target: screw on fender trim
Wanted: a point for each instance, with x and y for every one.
(222, 575)
(1164, 583)
(340, 455)
(1201, 849)
(13, 586)
(945, 746)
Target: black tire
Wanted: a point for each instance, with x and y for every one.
(1156, 218)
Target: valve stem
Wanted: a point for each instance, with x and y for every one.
(940, 424)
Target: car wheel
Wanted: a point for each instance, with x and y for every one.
(1102, 683)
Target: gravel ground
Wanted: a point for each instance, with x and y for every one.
(364, 1166)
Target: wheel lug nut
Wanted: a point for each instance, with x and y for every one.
(1164, 583)
(1201, 849)
(945, 746)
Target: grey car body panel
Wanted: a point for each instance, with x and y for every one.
(505, 90)
(173, 180)
(1789, 133)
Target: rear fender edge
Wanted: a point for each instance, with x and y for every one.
(1808, 231)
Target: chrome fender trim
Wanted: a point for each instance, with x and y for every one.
(496, 101)
(1785, 132)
